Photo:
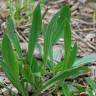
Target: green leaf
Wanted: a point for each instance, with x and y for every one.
(63, 14)
(66, 90)
(67, 30)
(35, 67)
(73, 55)
(28, 74)
(68, 61)
(10, 65)
(70, 57)
(92, 86)
(85, 60)
(48, 37)
(9, 73)
(72, 73)
(67, 36)
(89, 92)
(59, 66)
(35, 30)
(79, 87)
(54, 30)
(9, 56)
(13, 36)
(91, 83)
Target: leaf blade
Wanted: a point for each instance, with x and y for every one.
(85, 60)
(13, 36)
(9, 56)
(70, 57)
(73, 72)
(35, 30)
(54, 30)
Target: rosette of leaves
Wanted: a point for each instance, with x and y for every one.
(25, 71)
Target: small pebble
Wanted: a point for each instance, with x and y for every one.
(15, 90)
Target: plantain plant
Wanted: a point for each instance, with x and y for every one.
(26, 71)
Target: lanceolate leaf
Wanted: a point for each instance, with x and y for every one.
(67, 12)
(48, 37)
(10, 65)
(54, 30)
(73, 55)
(89, 92)
(9, 73)
(70, 57)
(72, 73)
(59, 66)
(85, 60)
(9, 56)
(67, 36)
(35, 67)
(66, 90)
(35, 30)
(13, 35)
(68, 61)
(91, 83)
(63, 14)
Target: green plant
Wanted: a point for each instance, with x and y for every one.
(91, 88)
(21, 10)
(25, 71)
